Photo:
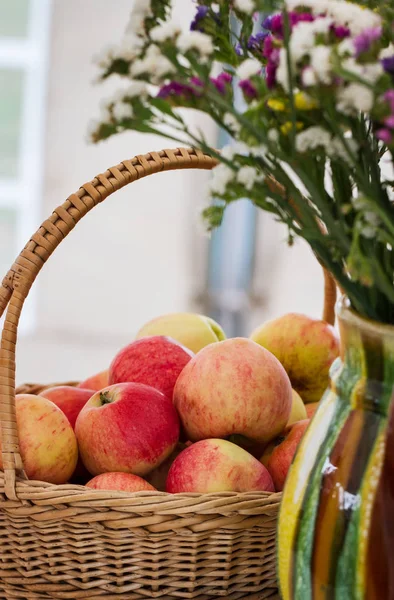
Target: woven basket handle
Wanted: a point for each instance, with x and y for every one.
(18, 281)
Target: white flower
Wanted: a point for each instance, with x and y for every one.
(346, 47)
(282, 73)
(104, 58)
(154, 63)
(248, 176)
(318, 137)
(130, 47)
(348, 14)
(353, 98)
(137, 88)
(195, 40)
(248, 68)
(122, 111)
(308, 77)
(164, 32)
(372, 218)
(273, 135)
(231, 122)
(92, 128)
(312, 138)
(245, 6)
(222, 175)
(302, 39)
(229, 151)
(338, 150)
(215, 7)
(143, 7)
(370, 72)
(387, 52)
(321, 63)
(105, 115)
(368, 231)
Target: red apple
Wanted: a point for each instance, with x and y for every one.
(47, 442)
(311, 408)
(69, 399)
(128, 427)
(155, 360)
(283, 451)
(233, 387)
(217, 466)
(96, 382)
(306, 348)
(121, 482)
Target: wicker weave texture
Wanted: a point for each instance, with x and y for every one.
(70, 542)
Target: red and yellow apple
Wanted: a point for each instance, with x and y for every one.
(233, 387)
(121, 482)
(306, 348)
(128, 427)
(217, 466)
(96, 382)
(189, 329)
(298, 409)
(156, 361)
(69, 399)
(47, 442)
(311, 408)
(279, 455)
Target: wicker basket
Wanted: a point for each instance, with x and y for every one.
(74, 543)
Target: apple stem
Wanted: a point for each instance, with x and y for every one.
(104, 398)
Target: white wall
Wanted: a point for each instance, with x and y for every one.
(136, 255)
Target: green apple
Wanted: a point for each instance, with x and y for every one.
(189, 329)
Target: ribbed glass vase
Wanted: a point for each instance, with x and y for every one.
(336, 525)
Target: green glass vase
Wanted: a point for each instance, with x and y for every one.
(336, 524)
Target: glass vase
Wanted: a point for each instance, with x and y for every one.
(336, 524)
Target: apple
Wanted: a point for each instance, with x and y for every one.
(128, 427)
(233, 387)
(282, 452)
(298, 409)
(189, 329)
(311, 408)
(306, 348)
(217, 466)
(158, 476)
(156, 361)
(95, 382)
(47, 442)
(121, 482)
(69, 399)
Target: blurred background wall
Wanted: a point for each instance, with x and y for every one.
(142, 252)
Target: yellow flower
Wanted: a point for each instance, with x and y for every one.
(304, 102)
(276, 105)
(287, 127)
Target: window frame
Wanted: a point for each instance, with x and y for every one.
(24, 193)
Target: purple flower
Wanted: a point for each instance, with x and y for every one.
(270, 74)
(222, 81)
(340, 31)
(238, 49)
(364, 41)
(384, 135)
(248, 88)
(389, 97)
(200, 15)
(389, 122)
(266, 24)
(388, 64)
(255, 42)
(268, 46)
(274, 23)
(175, 88)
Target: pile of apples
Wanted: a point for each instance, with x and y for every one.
(183, 409)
